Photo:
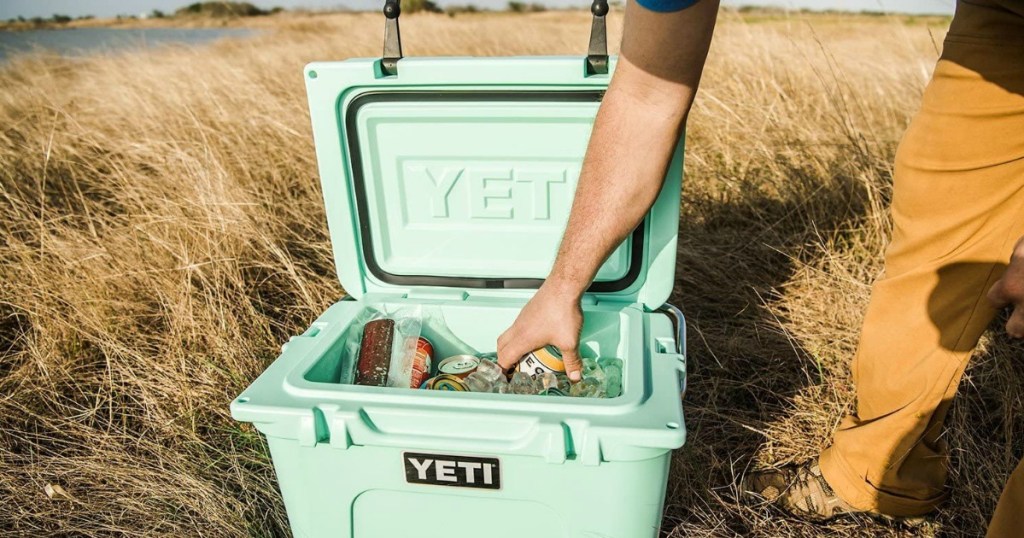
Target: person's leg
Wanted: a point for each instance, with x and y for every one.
(958, 209)
(1008, 520)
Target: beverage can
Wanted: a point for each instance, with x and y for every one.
(459, 366)
(446, 382)
(375, 353)
(421, 362)
(545, 359)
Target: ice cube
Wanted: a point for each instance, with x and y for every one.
(477, 382)
(490, 371)
(548, 380)
(613, 374)
(563, 383)
(522, 383)
(592, 369)
(589, 387)
(500, 385)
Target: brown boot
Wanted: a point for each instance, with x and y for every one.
(797, 489)
(802, 491)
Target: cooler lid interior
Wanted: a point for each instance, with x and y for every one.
(446, 184)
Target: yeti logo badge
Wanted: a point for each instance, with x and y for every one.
(448, 470)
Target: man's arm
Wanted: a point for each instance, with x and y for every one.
(635, 131)
(1009, 290)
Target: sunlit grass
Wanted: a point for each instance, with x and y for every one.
(162, 233)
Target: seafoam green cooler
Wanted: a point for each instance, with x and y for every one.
(448, 184)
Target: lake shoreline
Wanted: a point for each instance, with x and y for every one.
(134, 23)
(80, 42)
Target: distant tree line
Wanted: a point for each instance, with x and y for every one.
(43, 21)
(429, 6)
(225, 9)
(523, 7)
(202, 9)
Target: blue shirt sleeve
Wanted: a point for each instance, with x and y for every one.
(665, 6)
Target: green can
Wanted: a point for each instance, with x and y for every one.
(446, 382)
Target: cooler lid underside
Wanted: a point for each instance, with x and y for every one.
(441, 184)
(474, 189)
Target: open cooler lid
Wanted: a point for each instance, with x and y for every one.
(459, 173)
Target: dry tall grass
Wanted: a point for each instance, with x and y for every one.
(162, 233)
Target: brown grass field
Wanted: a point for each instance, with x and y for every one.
(162, 233)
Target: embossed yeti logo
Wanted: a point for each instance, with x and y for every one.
(488, 192)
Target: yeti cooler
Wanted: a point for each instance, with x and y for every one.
(448, 186)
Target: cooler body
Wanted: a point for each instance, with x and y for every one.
(363, 494)
(380, 462)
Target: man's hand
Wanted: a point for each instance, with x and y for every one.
(635, 132)
(552, 316)
(1009, 290)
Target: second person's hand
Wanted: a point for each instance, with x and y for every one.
(553, 316)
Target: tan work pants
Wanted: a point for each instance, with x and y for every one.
(958, 210)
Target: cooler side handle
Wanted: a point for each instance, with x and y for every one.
(679, 325)
(530, 436)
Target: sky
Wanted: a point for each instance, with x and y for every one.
(109, 8)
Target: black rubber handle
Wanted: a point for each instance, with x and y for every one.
(392, 38)
(597, 52)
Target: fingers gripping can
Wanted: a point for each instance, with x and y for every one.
(545, 359)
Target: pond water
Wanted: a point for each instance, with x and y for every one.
(79, 41)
